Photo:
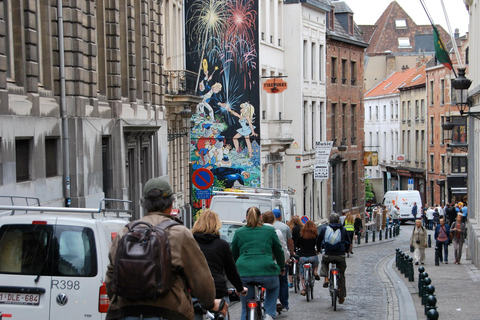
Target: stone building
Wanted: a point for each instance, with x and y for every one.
(82, 108)
(344, 110)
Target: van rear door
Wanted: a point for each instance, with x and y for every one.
(25, 267)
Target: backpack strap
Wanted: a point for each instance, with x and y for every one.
(165, 224)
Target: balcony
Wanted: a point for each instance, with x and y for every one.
(180, 82)
(279, 135)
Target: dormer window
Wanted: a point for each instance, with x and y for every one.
(400, 23)
(350, 24)
(404, 42)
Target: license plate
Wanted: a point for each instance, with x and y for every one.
(20, 298)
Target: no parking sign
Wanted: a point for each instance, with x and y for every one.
(304, 219)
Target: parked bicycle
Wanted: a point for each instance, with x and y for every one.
(334, 284)
(255, 306)
(295, 273)
(308, 280)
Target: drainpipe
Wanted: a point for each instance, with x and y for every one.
(63, 108)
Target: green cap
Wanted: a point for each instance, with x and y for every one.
(159, 183)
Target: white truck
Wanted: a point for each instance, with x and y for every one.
(404, 199)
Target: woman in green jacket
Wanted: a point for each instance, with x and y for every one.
(260, 259)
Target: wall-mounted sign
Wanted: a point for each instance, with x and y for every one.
(274, 85)
(400, 158)
(321, 171)
(322, 151)
(370, 158)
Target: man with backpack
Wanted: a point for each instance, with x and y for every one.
(167, 256)
(334, 239)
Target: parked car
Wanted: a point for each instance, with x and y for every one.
(53, 264)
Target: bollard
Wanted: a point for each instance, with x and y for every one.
(398, 230)
(373, 236)
(386, 233)
(426, 282)
(366, 236)
(379, 235)
(429, 293)
(437, 256)
(421, 276)
(429, 240)
(390, 230)
(431, 304)
(402, 262)
(432, 314)
(410, 270)
(359, 235)
(405, 265)
(397, 257)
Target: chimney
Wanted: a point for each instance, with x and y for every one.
(456, 34)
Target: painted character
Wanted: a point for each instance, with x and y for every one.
(246, 117)
(230, 175)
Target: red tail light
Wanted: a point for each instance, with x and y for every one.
(252, 305)
(103, 301)
(334, 271)
(306, 266)
(39, 222)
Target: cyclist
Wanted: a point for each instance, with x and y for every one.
(218, 254)
(253, 247)
(307, 252)
(334, 244)
(295, 225)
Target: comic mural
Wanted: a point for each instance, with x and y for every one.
(222, 48)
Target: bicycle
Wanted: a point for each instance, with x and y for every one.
(255, 308)
(308, 280)
(334, 284)
(205, 314)
(295, 274)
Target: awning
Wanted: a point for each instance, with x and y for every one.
(459, 191)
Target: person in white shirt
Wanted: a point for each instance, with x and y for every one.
(430, 212)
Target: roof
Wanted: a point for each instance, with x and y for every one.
(339, 33)
(342, 7)
(384, 35)
(401, 79)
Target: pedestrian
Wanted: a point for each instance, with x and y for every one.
(334, 253)
(307, 251)
(395, 215)
(424, 216)
(358, 227)
(206, 232)
(287, 234)
(464, 212)
(457, 233)
(414, 211)
(295, 225)
(436, 217)
(349, 225)
(195, 277)
(430, 216)
(268, 219)
(419, 241)
(442, 237)
(253, 247)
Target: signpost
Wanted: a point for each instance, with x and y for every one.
(410, 184)
(304, 219)
(202, 179)
(322, 155)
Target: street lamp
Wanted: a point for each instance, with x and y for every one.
(461, 85)
(343, 145)
(184, 114)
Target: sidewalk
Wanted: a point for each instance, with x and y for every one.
(457, 287)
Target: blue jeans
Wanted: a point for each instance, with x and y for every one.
(443, 245)
(272, 286)
(283, 295)
(313, 260)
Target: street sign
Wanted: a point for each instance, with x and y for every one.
(321, 171)
(304, 219)
(203, 194)
(275, 85)
(410, 184)
(202, 178)
(322, 151)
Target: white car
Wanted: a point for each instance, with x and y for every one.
(52, 265)
(228, 229)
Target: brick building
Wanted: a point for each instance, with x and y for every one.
(345, 116)
(87, 123)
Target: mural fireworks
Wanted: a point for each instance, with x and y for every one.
(222, 46)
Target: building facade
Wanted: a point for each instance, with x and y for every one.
(82, 108)
(345, 110)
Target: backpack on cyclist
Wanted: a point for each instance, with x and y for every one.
(333, 239)
(142, 266)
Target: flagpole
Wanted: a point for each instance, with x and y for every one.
(452, 37)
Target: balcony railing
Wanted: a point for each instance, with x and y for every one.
(179, 82)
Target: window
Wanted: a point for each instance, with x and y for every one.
(442, 132)
(22, 159)
(417, 142)
(350, 24)
(305, 60)
(404, 42)
(432, 130)
(333, 67)
(396, 109)
(391, 109)
(48, 250)
(409, 109)
(404, 111)
(459, 133)
(314, 61)
(344, 120)
(51, 157)
(334, 129)
(353, 123)
(370, 113)
(442, 163)
(320, 63)
(400, 23)
(417, 110)
(442, 92)
(376, 112)
(431, 92)
(459, 165)
(384, 112)
(422, 109)
(344, 71)
(353, 72)
(306, 118)
(354, 183)
(432, 163)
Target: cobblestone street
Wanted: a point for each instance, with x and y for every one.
(370, 292)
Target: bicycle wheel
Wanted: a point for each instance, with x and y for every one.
(311, 288)
(307, 290)
(296, 285)
(297, 276)
(334, 299)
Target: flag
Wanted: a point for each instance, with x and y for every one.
(440, 51)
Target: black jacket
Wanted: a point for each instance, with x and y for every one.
(345, 242)
(220, 259)
(358, 224)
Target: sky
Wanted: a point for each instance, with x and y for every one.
(368, 12)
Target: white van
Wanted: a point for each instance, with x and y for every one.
(233, 206)
(404, 199)
(53, 265)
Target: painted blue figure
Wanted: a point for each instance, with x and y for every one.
(230, 175)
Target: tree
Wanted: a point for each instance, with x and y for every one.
(369, 194)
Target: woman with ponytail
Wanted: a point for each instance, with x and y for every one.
(260, 259)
